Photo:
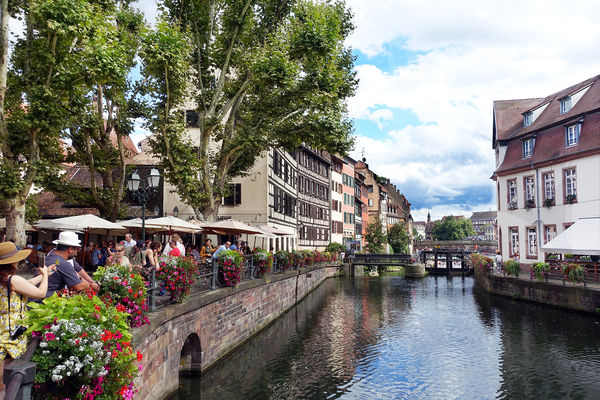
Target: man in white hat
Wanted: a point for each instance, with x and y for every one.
(65, 274)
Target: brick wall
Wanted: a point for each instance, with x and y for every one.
(222, 320)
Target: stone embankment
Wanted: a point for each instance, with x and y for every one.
(198, 333)
(568, 296)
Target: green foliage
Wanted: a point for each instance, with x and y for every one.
(334, 247)
(230, 267)
(539, 271)
(452, 228)
(573, 272)
(483, 263)
(398, 238)
(84, 348)
(263, 261)
(375, 237)
(271, 74)
(511, 268)
(179, 274)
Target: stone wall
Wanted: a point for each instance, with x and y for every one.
(568, 296)
(198, 333)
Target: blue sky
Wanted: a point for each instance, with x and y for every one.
(429, 72)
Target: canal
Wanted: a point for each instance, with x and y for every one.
(393, 338)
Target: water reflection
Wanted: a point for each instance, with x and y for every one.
(390, 337)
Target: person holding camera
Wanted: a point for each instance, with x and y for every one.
(14, 294)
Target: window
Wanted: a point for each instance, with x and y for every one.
(570, 184)
(512, 194)
(514, 241)
(549, 233)
(565, 105)
(191, 119)
(572, 135)
(531, 242)
(370, 202)
(549, 186)
(528, 147)
(235, 195)
(529, 192)
(527, 119)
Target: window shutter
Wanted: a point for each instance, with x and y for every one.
(238, 193)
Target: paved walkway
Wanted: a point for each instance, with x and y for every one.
(524, 275)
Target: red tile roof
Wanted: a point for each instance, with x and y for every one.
(549, 127)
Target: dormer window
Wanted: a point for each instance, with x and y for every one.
(572, 135)
(527, 119)
(565, 105)
(528, 147)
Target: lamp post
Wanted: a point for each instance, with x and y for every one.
(142, 193)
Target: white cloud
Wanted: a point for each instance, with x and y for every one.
(437, 212)
(470, 53)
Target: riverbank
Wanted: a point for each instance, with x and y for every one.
(198, 333)
(567, 296)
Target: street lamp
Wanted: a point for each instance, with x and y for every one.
(175, 212)
(142, 194)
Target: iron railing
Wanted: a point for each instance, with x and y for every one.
(20, 375)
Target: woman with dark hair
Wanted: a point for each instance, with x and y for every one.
(14, 293)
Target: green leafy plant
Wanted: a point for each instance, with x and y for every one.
(125, 290)
(573, 272)
(483, 263)
(530, 203)
(548, 202)
(84, 350)
(230, 267)
(334, 247)
(511, 268)
(569, 256)
(551, 256)
(263, 261)
(284, 260)
(570, 198)
(179, 274)
(539, 271)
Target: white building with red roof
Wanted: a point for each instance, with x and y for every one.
(547, 166)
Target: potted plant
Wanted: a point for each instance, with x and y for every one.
(84, 351)
(484, 264)
(511, 267)
(263, 262)
(179, 274)
(551, 256)
(530, 203)
(230, 267)
(573, 272)
(570, 198)
(121, 288)
(512, 205)
(284, 260)
(548, 202)
(539, 271)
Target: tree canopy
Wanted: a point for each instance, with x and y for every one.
(257, 74)
(452, 228)
(375, 237)
(399, 239)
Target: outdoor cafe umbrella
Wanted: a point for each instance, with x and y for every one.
(172, 223)
(88, 223)
(231, 226)
(137, 223)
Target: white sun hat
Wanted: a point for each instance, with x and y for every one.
(68, 238)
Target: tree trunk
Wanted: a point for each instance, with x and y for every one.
(14, 211)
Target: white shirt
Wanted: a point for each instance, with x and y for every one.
(129, 244)
(168, 249)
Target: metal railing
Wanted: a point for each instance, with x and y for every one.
(209, 278)
(20, 375)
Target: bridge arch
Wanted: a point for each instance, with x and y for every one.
(190, 358)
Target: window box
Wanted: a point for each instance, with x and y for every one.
(571, 198)
(530, 203)
(512, 205)
(548, 203)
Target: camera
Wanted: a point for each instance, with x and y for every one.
(19, 330)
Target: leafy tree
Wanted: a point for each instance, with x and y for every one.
(105, 105)
(334, 247)
(47, 65)
(375, 237)
(416, 234)
(262, 74)
(398, 238)
(452, 228)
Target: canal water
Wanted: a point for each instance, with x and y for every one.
(394, 338)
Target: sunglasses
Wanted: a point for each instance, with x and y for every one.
(119, 251)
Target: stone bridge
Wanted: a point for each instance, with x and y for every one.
(196, 334)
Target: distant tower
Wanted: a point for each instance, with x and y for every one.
(363, 154)
(428, 217)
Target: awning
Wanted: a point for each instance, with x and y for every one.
(274, 231)
(582, 238)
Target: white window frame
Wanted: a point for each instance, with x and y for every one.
(527, 147)
(514, 240)
(512, 187)
(565, 105)
(549, 233)
(549, 189)
(529, 188)
(532, 242)
(572, 133)
(370, 202)
(570, 182)
(527, 119)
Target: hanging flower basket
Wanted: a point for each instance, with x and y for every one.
(230, 267)
(263, 262)
(573, 272)
(539, 271)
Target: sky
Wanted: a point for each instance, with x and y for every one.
(429, 71)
